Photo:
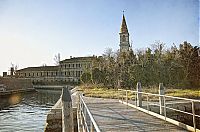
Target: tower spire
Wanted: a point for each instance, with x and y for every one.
(124, 36)
(123, 28)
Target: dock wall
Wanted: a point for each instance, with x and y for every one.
(54, 116)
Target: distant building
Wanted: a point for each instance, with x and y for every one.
(10, 73)
(69, 70)
(4, 74)
(39, 74)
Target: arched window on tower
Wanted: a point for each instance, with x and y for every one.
(123, 38)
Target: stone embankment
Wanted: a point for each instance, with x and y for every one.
(179, 116)
(9, 86)
(182, 117)
(54, 116)
(15, 83)
(50, 87)
(11, 90)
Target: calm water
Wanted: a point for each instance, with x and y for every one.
(29, 115)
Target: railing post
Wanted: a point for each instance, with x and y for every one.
(91, 127)
(193, 113)
(147, 102)
(67, 112)
(139, 95)
(122, 96)
(79, 116)
(135, 99)
(161, 98)
(165, 112)
(126, 97)
(118, 94)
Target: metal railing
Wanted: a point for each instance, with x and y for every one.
(164, 106)
(87, 120)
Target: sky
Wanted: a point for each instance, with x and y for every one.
(32, 32)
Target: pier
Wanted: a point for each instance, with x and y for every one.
(110, 115)
(88, 114)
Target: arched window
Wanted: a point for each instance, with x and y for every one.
(123, 38)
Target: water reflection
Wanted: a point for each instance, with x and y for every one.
(29, 114)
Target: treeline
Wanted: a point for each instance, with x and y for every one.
(175, 67)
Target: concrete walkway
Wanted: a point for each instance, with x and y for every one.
(112, 116)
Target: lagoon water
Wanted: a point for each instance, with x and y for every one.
(29, 115)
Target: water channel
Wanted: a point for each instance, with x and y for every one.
(29, 114)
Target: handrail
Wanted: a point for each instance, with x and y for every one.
(192, 101)
(174, 97)
(83, 110)
(74, 90)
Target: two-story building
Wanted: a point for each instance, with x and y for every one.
(69, 70)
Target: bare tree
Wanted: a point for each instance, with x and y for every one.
(57, 59)
(13, 69)
(44, 64)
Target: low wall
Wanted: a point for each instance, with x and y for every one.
(54, 116)
(18, 91)
(181, 117)
(15, 83)
(183, 106)
(50, 87)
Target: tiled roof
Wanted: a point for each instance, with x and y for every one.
(78, 59)
(42, 68)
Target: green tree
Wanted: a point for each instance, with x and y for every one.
(173, 67)
(97, 76)
(86, 77)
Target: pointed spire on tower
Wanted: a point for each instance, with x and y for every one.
(124, 36)
(123, 28)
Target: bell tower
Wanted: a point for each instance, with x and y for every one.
(124, 36)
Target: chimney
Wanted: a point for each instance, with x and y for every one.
(4, 74)
(12, 71)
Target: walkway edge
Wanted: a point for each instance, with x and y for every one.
(182, 125)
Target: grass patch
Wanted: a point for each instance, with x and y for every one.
(185, 93)
(102, 92)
